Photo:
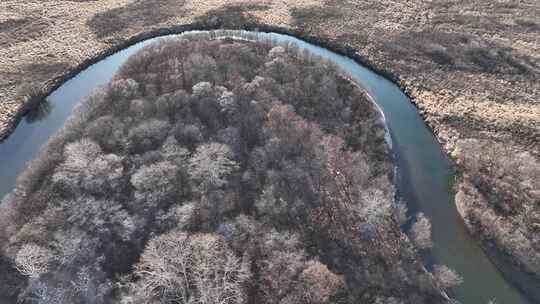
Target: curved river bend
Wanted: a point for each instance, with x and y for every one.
(425, 172)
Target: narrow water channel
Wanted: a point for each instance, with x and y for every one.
(425, 172)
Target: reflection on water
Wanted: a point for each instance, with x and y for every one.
(7, 300)
(426, 173)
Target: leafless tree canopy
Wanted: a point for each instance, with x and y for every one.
(447, 277)
(421, 232)
(215, 171)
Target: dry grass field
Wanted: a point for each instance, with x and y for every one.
(471, 67)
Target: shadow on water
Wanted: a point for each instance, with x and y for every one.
(40, 112)
(426, 173)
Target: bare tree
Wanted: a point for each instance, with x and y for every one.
(78, 156)
(154, 177)
(319, 282)
(180, 217)
(173, 151)
(201, 67)
(103, 174)
(448, 278)
(211, 164)
(279, 274)
(283, 260)
(181, 268)
(401, 212)
(421, 232)
(33, 260)
(123, 88)
(217, 273)
(104, 218)
(269, 206)
(149, 134)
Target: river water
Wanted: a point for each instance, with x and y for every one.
(425, 172)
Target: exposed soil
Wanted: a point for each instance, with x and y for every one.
(471, 67)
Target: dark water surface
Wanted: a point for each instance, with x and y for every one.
(426, 173)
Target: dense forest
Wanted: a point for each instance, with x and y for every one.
(217, 171)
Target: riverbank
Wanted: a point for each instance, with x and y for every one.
(470, 68)
(506, 239)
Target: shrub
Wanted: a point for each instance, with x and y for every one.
(30, 92)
